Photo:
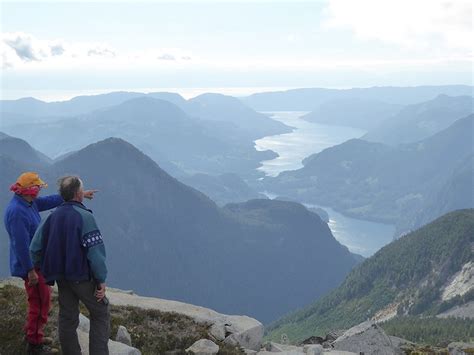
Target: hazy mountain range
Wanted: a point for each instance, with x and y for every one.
(219, 243)
(353, 112)
(209, 134)
(310, 99)
(419, 121)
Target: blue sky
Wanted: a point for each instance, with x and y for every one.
(66, 46)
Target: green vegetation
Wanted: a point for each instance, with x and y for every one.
(409, 272)
(152, 331)
(431, 330)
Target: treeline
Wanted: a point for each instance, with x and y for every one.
(431, 330)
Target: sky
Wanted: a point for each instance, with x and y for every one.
(58, 48)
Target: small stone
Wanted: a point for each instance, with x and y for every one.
(313, 349)
(123, 336)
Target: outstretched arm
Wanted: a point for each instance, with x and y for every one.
(48, 202)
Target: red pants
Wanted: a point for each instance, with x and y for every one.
(39, 302)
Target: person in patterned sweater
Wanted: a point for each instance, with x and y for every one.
(68, 249)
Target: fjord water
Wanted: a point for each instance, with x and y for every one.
(307, 138)
(360, 236)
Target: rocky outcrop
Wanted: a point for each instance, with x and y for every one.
(460, 283)
(244, 331)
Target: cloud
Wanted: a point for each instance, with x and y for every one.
(167, 56)
(23, 50)
(57, 49)
(102, 52)
(408, 23)
(22, 45)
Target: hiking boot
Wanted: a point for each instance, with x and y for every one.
(40, 349)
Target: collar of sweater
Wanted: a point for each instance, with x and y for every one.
(76, 203)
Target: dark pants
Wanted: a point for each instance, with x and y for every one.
(39, 300)
(70, 293)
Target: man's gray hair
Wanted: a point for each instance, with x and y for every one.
(68, 187)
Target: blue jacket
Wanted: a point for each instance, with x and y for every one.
(21, 220)
(68, 245)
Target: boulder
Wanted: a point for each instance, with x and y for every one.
(123, 336)
(244, 331)
(115, 348)
(203, 347)
(367, 338)
(276, 347)
(218, 331)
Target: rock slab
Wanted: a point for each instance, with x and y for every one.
(203, 347)
(367, 338)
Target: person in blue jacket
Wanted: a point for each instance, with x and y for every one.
(69, 249)
(22, 218)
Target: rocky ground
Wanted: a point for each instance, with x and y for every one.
(153, 325)
(146, 325)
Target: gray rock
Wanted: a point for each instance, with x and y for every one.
(250, 352)
(115, 348)
(203, 347)
(313, 349)
(285, 352)
(245, 332)
(84, 323)
(123, 336)
(368, 338)
(401, 343)
(241, 330)
(277, 347)
(217, 330)
(333, 335)
(313, 340)
(459, 348)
